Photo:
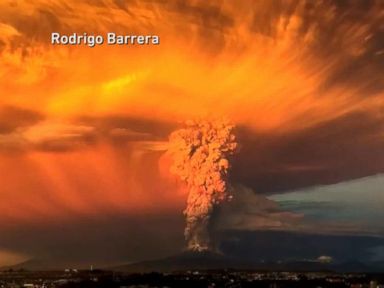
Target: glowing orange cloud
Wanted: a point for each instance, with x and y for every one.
(261, 80)
(50, 186)
(221, 59)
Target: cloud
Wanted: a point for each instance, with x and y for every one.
(26, 130)
(350, 207)
(46, 135)
(251, 211)
(7, 32)
(127, 133)
(12, 118)
(50, 132)
(340, 149)
(128, 127)
(346, 55)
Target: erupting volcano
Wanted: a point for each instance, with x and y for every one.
(200, 155)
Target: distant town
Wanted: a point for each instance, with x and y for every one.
(73, 278)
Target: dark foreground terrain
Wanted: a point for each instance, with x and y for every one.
(193, 279)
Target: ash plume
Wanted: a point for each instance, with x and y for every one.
(200, 153)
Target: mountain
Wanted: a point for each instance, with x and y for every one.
(48, 264)
(206, 260)
(35, 265)
(187, 260)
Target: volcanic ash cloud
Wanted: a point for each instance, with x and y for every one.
(200, 155)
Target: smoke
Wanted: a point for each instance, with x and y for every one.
(200, 155)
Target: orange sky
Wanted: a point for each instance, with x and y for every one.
(210, 65)
(255, 79)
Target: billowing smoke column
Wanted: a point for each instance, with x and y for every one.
(200, 158)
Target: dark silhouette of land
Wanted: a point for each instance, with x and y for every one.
(207, 260)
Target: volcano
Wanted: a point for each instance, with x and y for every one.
(210, 261)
